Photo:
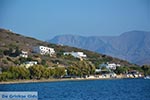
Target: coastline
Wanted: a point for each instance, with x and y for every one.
(53, 80)
(64, 79)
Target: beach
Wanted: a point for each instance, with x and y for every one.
(60, 79)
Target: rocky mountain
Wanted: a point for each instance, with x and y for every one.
(133, 46)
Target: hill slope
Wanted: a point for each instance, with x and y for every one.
(12, 40)
(132, 46)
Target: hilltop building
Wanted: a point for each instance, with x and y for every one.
(76, 54)
(24, 54)
(43, 50)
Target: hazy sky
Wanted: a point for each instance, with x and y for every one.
(44, 19)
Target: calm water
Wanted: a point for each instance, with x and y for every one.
(122, 89)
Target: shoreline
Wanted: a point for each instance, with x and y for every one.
(57, 80)
(44, 80)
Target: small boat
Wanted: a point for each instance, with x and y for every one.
(147, 77)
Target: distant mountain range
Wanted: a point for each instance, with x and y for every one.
(133, 46)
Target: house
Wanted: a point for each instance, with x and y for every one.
(97, 70)
(91, 77)
(30, 63)
(110, 65)
(109, 75)
(76, 54)
(24, 54)
(43, 50)
(133, 74)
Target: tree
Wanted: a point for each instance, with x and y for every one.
(22, 60)
(1, 53)
(59, 72)
(29, 59)
(14, 71)
(121, 70)
(73, 71)
(17, 52)
(43, 62)
(136, 68)
(19, 72)
(23, 73)
(84, 68)
(48, 73)
(91, 68)
(36, 72)
(5, 76)
(146, 69)
(148, 72)
(8, 52)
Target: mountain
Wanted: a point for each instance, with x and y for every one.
(132, 46)
(12, 42)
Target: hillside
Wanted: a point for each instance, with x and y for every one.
(132, 46)
(10, 40)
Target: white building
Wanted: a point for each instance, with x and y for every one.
(44, 50)
(24, 54)
(97, 70)
(30, 63)
(76, 54)
(111, 65)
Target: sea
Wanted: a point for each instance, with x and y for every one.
(113, 89)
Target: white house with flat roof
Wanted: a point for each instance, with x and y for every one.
(110, 65)
(30, 63)
(24, 54)
(43, 50)
(76, 54)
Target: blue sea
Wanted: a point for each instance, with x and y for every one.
(119, 89)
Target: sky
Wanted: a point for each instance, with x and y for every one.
(44, 19)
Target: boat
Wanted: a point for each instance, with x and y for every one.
(147, 77)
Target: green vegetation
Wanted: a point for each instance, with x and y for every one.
(10, 52)
(122, 70)
(59, 72)
(14, 73)
(146, 69)
(77, 69)
(81, 69)
(34, 72)
(55, 66)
